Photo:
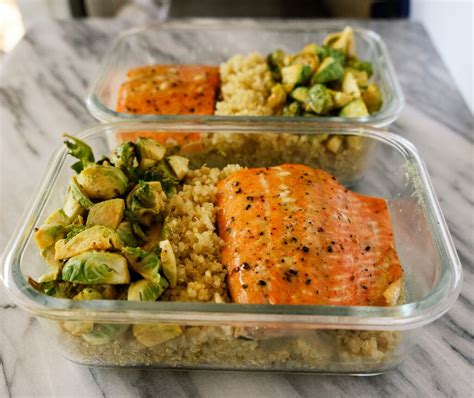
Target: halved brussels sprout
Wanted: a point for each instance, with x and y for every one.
(295, 75)
(102, 182)
(147, 200)
(355, 108)
(145, 290)
(79, 195)
(125, 232)
(328, 71)
(340, 99)
(108, 213)
(179, 165)
(78, 328)
(334, 143)
(48, 255)
(350, 86)
(292, 109)
(124, 156)
(360, 76)
(168, 262)
(361, 65)
(97, 237)
(372, 98)
(307, 59)
(343, 41)
(72, 207)
(48, 234)
(277, 97)
(104, 333)
(58, 217)
(150, 152)
(92, 268)
(147, 264)
(88, 294)
(320, 100)
(155, 334)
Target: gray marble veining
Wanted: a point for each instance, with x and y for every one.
(42, 86)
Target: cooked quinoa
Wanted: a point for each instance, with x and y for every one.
(246, 83)
(192, 220)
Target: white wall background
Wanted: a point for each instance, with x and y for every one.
(450, 25)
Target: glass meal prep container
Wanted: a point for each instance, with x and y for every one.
(359, 340)
(212, 43)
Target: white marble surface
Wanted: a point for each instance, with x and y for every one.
(42, 86)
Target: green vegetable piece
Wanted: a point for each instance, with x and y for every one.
(340, 99)
(179, 165)
(311, 48)
(125, 232)
(79, 195)
(71, 206)
(307, 59)
(102, 182)
(162, 172)
(360, 76)
(146, 201)
(155, 334)
(295, 75)
(372, 98)
(166, 230)
(343, 41)
(334, 143)
(58, 217)
(338, 55)
(277, 97)
(150, 152)
(92, 268)
(124, 156)
(320, 100)
(275, 61)
(145, 290)
(97, 237)
(168, 262)
(350, 86)
(48, 256)
(365, 66)
(355, 108)
(80, 150)
(328, 71)
(88, 294)
(104, 333)
(108, 213)
(48, 234)
(147, 264)
(292, 109)
(300, 94)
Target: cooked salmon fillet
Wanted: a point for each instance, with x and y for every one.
(294, 235)
(170, 90)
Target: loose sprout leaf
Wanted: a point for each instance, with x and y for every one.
(79, 195)
(80, 150)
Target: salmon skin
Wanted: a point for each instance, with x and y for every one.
(294, 235)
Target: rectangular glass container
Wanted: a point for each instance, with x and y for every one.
(212, 43)
(356, 340)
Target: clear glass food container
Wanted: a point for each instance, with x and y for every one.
(359, 340)
(212, 43)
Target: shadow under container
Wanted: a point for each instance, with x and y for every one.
(359, 340)
(212, 43)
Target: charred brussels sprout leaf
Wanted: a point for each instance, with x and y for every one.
(96, 268)
(146, 263)
(145, 290)
(80, 150)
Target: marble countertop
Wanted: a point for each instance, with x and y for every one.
(42, 86)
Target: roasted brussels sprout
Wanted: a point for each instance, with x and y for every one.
(179, 165)
(295, 75)
(320, 100)
(146, 290)
(328, 71)
(108, 213)
(92, 268)
(146, 263)
(97, 237)
(277, 97)
(355, 108)
(147, 201)
(104, 333)
(372, 98)
(168, 262)
(78, 194)
(343, 41)
(126, 234)
(349, 85)
(155, 334)
(150, 152)
(102, 182)
(292, 109)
